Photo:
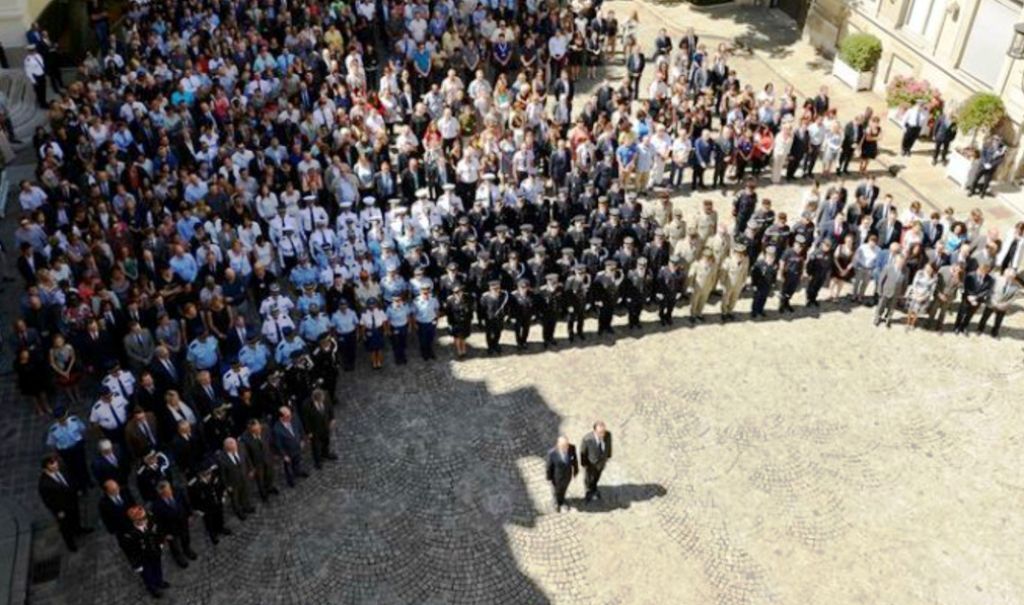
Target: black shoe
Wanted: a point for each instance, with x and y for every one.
(191, 555)
(182, 564)
(303, 474)
(165, 584)
(597, 493)
(72, 547)
(156, 594)
(86, 530)
(273, 491)
(242, 516)
(225, 531)
(250, 510)
(215, 540)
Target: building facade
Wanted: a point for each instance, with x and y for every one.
(960, 46)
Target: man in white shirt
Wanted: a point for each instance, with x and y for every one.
(35, 69)
(913, 121)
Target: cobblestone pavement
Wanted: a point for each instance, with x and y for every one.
(811, 460)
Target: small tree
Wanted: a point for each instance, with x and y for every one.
(980, 113)
(861, 51)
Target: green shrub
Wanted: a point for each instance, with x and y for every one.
(981, 112)
(861, 51)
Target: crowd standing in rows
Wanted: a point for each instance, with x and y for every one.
(236, 198)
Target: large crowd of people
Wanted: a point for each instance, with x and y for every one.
(234, 201)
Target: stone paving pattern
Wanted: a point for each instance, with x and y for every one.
(810, 460)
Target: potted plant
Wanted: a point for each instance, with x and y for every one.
(902, 93)
(857, 59)
(978, 115)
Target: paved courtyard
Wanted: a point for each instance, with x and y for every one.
(814, 460)
(808, 461)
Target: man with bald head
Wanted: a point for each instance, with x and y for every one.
(234, 472)
(562, 467)
(595, 451)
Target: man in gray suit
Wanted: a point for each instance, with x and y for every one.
(1003, 293)
(260, 465)
(947, 291)
(595, 450)
(139, 346)
(890, 285)
(562, 467)
(234, 473)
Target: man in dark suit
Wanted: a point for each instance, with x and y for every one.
(234, 473)
(977, 290)
(562, 467)
(171, 512)
(97, 348)
(289, 440)
(206, 395)
(413, 179)
(257, 457)
(108, 465)
(146, 396)
(61, 499)
(166, 373)
(595, 451)
(141, 433)
(853, 134)
(29, 263)
(114, 505)
(187, 450)
(318, 418)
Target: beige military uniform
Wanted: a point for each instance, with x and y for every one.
(688, 250)
(707, 224)
(733, 276)
(703, 282)
(720, 243)
(675, 231)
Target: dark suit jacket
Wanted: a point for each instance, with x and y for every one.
(138, 443)
(317, 423)
(257, 451)
(172, 519)
(114, 517)
(102, 469)
(28, 273)
(163, 379)
(57, 497)
(233, 475)
(289, 444)
(201, 402)
(561, 472)
(591, 453)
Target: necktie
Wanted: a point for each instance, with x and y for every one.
(145, 431)
(112, 460)
(234, 459)
(117, 416)
(117, 501)
(60, 478)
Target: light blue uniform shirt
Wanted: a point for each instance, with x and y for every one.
(425, 309)
(398, 315)
(344, 322)
(255, 357)
(313, 327)
(66, 435)
(302, 275)
(185, 267)
(203, 353)
(286, 347)
(309, 299)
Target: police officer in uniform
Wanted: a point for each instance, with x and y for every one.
(206, 494)
(458, 308)
(792, 262)
(667, 289)
(552, 307)
(819, 269)
(763, 276)
(733, 276)
(523, 311)
(639, 285)
(425, 310)
(143, 548)
(494, 305)
(608, 288)
(344, 321)
(703, 276)
(577, 299)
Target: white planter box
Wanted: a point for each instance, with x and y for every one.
(959, 167)
(895, 116)
(851, 77)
